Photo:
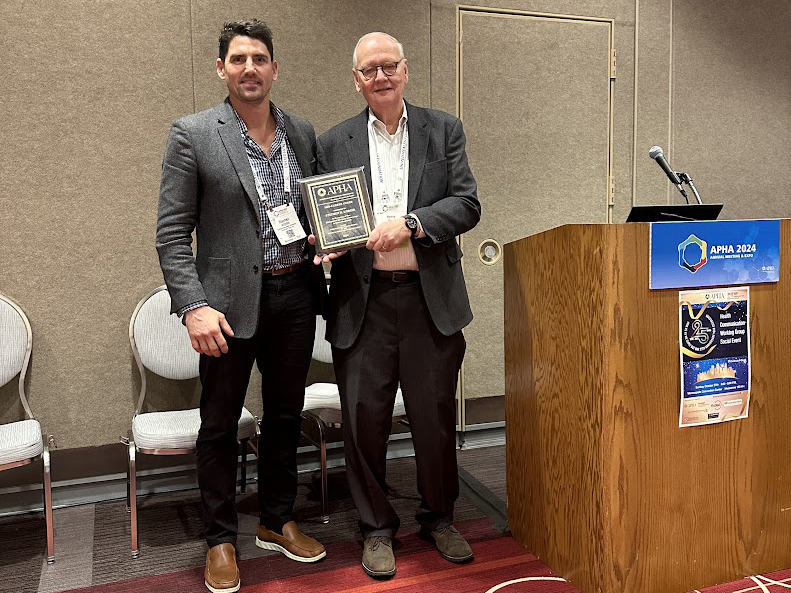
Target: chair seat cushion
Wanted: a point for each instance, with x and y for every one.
(178, 429)
(20, 440)
(325, 396)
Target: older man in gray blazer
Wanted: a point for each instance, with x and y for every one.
(249, 294)
(396, 309)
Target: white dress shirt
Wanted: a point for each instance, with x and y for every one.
(387, 204)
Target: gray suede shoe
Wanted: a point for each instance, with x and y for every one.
(378, 560)
(450, 543)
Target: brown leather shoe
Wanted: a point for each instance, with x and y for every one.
(222, 575)
(293, 543)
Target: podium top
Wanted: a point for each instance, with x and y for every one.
(674, 212)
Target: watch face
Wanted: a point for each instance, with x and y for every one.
(411, 224)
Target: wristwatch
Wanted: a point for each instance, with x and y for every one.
(411, 223)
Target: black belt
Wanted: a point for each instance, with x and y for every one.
(397, 275)
(286, 270)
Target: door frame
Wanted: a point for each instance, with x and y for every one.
(461, 10)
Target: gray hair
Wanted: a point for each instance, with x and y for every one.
(366, 36)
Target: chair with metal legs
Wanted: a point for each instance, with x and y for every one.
(161, 344)
(22, 442)
(323, 408)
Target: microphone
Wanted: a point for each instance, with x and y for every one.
(658, 155)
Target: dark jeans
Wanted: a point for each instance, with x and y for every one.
(282, 349)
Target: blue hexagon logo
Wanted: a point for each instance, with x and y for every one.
(692, 253)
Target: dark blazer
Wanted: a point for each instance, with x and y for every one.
(443, 195)
(208, 186)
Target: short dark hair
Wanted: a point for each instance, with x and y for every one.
(254, 29)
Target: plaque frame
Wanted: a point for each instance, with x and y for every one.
(348, 191)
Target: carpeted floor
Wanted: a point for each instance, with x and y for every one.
(419, 569)
(93, 555)
(92, 542)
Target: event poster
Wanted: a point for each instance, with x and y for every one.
(715, 355)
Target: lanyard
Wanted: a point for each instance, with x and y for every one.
(286, 179)
(399, 175)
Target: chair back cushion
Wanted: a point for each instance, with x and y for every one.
(162, 341)
(322, 351)
(13, 342)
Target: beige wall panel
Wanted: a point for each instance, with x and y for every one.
(484, 361)
(79, 177)
(653, 102)
(540, 161)
(313, 42)
(732, 103)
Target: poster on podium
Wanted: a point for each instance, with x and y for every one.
(714, 335)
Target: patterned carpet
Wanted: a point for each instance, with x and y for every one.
(419, 569)
(93, 556)
(92, 541)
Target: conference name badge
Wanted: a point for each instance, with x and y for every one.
(286, 224)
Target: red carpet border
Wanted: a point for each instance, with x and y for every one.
(500, 565)
(498, 559)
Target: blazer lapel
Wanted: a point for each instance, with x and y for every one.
(417, 125)
(357, 147)
(234, 146)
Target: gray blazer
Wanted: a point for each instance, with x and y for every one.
(443, 195)
(208, 186)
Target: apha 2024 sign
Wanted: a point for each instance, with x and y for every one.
(715, 253)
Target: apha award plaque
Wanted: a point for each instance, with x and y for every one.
(339, 209)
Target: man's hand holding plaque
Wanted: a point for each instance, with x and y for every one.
(327, 257)
(339, 212)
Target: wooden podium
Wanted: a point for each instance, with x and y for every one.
(602, 484)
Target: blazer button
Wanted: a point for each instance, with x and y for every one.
(365, 279)
(255, 269)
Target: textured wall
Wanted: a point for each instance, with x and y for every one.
(88, 108)
(90, 95)
(731, 103)
(714, 90)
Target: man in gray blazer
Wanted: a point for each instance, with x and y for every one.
(249, 295)
(396, 309)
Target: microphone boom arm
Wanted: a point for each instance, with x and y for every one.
(688, 180)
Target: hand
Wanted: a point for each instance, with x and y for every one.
(206, 327)
(318, 259)
(388, 235)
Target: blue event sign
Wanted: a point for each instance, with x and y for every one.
(714, 253)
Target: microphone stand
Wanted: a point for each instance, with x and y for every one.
(688, 180)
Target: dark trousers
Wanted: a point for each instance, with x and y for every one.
(399, 343)
(282, 349)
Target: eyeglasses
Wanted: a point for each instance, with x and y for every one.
(388, 69)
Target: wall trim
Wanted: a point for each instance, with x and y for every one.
(28, 498)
